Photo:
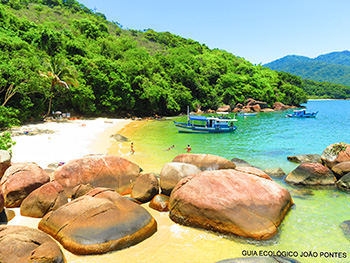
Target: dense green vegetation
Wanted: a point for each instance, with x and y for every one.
(333, 67)
(59, 55)
(326, 90)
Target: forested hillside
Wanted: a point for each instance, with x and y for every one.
(333, 67)
(59, 55)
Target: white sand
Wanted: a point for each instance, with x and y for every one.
(71, 140)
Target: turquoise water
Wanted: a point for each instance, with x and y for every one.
(265, 141)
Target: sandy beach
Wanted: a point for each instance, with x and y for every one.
(64, 141)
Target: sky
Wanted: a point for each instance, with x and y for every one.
(259, 31)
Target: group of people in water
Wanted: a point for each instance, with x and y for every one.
(188, 148)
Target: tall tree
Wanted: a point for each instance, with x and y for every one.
(60, 75)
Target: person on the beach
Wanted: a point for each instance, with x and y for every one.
(132, 148)
(188, 148)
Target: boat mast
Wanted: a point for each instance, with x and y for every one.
(188, 114)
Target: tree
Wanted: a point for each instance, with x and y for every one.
(60, 75)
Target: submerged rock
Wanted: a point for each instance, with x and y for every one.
(20, 180)
(99, 222)
(311, 174)
(231, 202)
(205, 161)
(99, 171)
(22, 244)
(240, 163)
(344, 182)
(275, 172)
(305, 158)
(345, 227)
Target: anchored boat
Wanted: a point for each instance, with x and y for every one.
(203, 124)
(302, 114)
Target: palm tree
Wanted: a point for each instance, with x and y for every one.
(60, 75)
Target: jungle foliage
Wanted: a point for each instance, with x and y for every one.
(59, 55)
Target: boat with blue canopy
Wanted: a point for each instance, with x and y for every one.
(204, 124)
(302, 114)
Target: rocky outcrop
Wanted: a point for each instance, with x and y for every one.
(20, 180)
(225, 108)
(5, 161)
(279, 106)
(305, 158)
(22, 244)
(231, 202)
(44, 199)
(336, 153)
(145, 188)
(99, 171)
(172, 173)
(99, 222)
(160, 203)
(312, 174)
(205, 161)
(81, 189)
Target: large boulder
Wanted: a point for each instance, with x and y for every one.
(205, 161)
(5, 161)
(44, 199)
(20, 180)
(99, 222)
(225, 108)
(336, 153)
(305, 158)
(344, 182)
(230, 201)
(172, 173)
(312, 174)
(22, 244)
(145, 188)
(341, 169)
(99, 171)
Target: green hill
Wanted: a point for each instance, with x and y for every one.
(59, 55)
(333, 67)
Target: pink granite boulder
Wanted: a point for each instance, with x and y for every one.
(205, 161)
(99, 222)
(145, 188)
(20, 244)
(231, 202)
(99, 171)
(5, 161)
(20, 180)
(44, 199)
(312, 174)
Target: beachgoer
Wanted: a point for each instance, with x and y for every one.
(188, 148)
(132, 148)
(169, 148)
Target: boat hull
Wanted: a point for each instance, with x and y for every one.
(186, 128)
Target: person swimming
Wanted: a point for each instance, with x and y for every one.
(173, 146)
(188, 148)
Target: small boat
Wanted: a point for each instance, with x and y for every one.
(243, 113)
(203, 124)
(302, 114)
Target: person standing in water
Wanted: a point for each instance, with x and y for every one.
(188, 148)
(132, 148)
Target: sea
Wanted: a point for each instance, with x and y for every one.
(311, 230)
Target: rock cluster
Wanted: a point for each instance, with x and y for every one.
(331, 168)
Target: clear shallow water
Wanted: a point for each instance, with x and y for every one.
(265, 141)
